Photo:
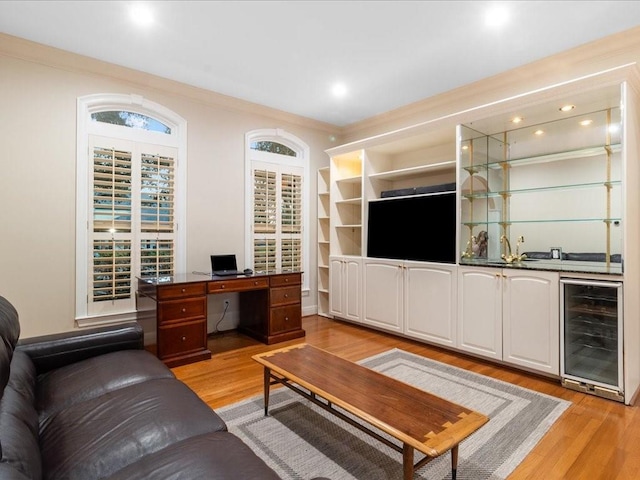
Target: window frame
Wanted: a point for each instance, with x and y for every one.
(300, 161)
(87, 105)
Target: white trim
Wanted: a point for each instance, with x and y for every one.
(89, 104)
(302, 160)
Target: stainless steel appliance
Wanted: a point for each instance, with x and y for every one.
(591, 337)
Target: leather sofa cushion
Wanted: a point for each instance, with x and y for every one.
(212, 456)
(59, 389)
(19, 420)
(99, 436)
(9, 333)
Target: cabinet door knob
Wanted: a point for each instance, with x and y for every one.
(184, 310)
(286, 280)
(184, 290)
(222, 286)
(286, 319)
(183, 338)
(255, 283)
(286, 295)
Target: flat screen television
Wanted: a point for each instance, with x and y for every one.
(421, 227)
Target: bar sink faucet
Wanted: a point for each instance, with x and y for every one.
(510, 257)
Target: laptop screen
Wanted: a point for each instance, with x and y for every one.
(223, 262)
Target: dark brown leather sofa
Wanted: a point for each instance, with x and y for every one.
(95, 405)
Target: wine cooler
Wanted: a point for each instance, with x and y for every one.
(591, 338)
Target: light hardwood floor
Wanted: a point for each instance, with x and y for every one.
(594, 439)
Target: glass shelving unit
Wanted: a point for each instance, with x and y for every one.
(556, 184)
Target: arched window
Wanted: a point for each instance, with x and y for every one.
(277, 177)
(130, 199)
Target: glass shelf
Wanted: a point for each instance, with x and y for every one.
(543, 189)
(561, 220)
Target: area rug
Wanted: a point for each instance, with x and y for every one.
(301, 441)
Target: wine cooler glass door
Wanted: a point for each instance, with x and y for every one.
(592, 332)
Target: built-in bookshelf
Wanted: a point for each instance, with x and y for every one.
(323, 240)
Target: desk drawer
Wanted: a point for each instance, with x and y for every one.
(178, 310)
(284, 319)
(284, 280)
(182, 338)
(285, 295)
(238, 285)
(181, 290)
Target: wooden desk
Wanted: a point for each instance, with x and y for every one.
(419, 420)
(270, 310)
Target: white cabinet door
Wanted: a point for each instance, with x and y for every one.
(480, 311)
(345, 287)
(383, 286)
(337, 302)
(430, 292)
(531, 320)
(353, 288)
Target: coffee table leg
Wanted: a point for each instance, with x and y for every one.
(454, 462)
(267, 384)
(407, 461)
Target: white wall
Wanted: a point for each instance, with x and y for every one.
(38, 91)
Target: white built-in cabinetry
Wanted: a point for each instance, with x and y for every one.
(345, 287)
(559, 181)
(510, 315)
(323, 241)
(412, 298)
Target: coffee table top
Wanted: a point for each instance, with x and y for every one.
(425, 421)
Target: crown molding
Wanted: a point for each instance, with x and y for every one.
(26, 50)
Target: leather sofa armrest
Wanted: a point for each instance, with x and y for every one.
(49, 352)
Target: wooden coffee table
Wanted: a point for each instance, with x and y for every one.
(419, 420)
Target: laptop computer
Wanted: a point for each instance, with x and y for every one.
(223, 265)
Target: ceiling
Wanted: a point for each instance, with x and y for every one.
(289, 55)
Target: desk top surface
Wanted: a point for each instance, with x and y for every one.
(194, 277)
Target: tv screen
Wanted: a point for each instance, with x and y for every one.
(413, 228)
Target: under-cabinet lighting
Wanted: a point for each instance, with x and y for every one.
(567, 108)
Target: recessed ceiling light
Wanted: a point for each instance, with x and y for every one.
(141, 14)
(496, 16)
(585, 123)
(538, 132)
(339, 90)
(517, 120)
(465, 147)
(567, 108)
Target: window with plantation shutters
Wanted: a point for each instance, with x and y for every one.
(277, 202)
(130, 201)
(133, 221)
(264, 201)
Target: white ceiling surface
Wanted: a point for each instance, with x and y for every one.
(289, 54)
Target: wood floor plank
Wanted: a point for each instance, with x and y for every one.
(594, 439)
